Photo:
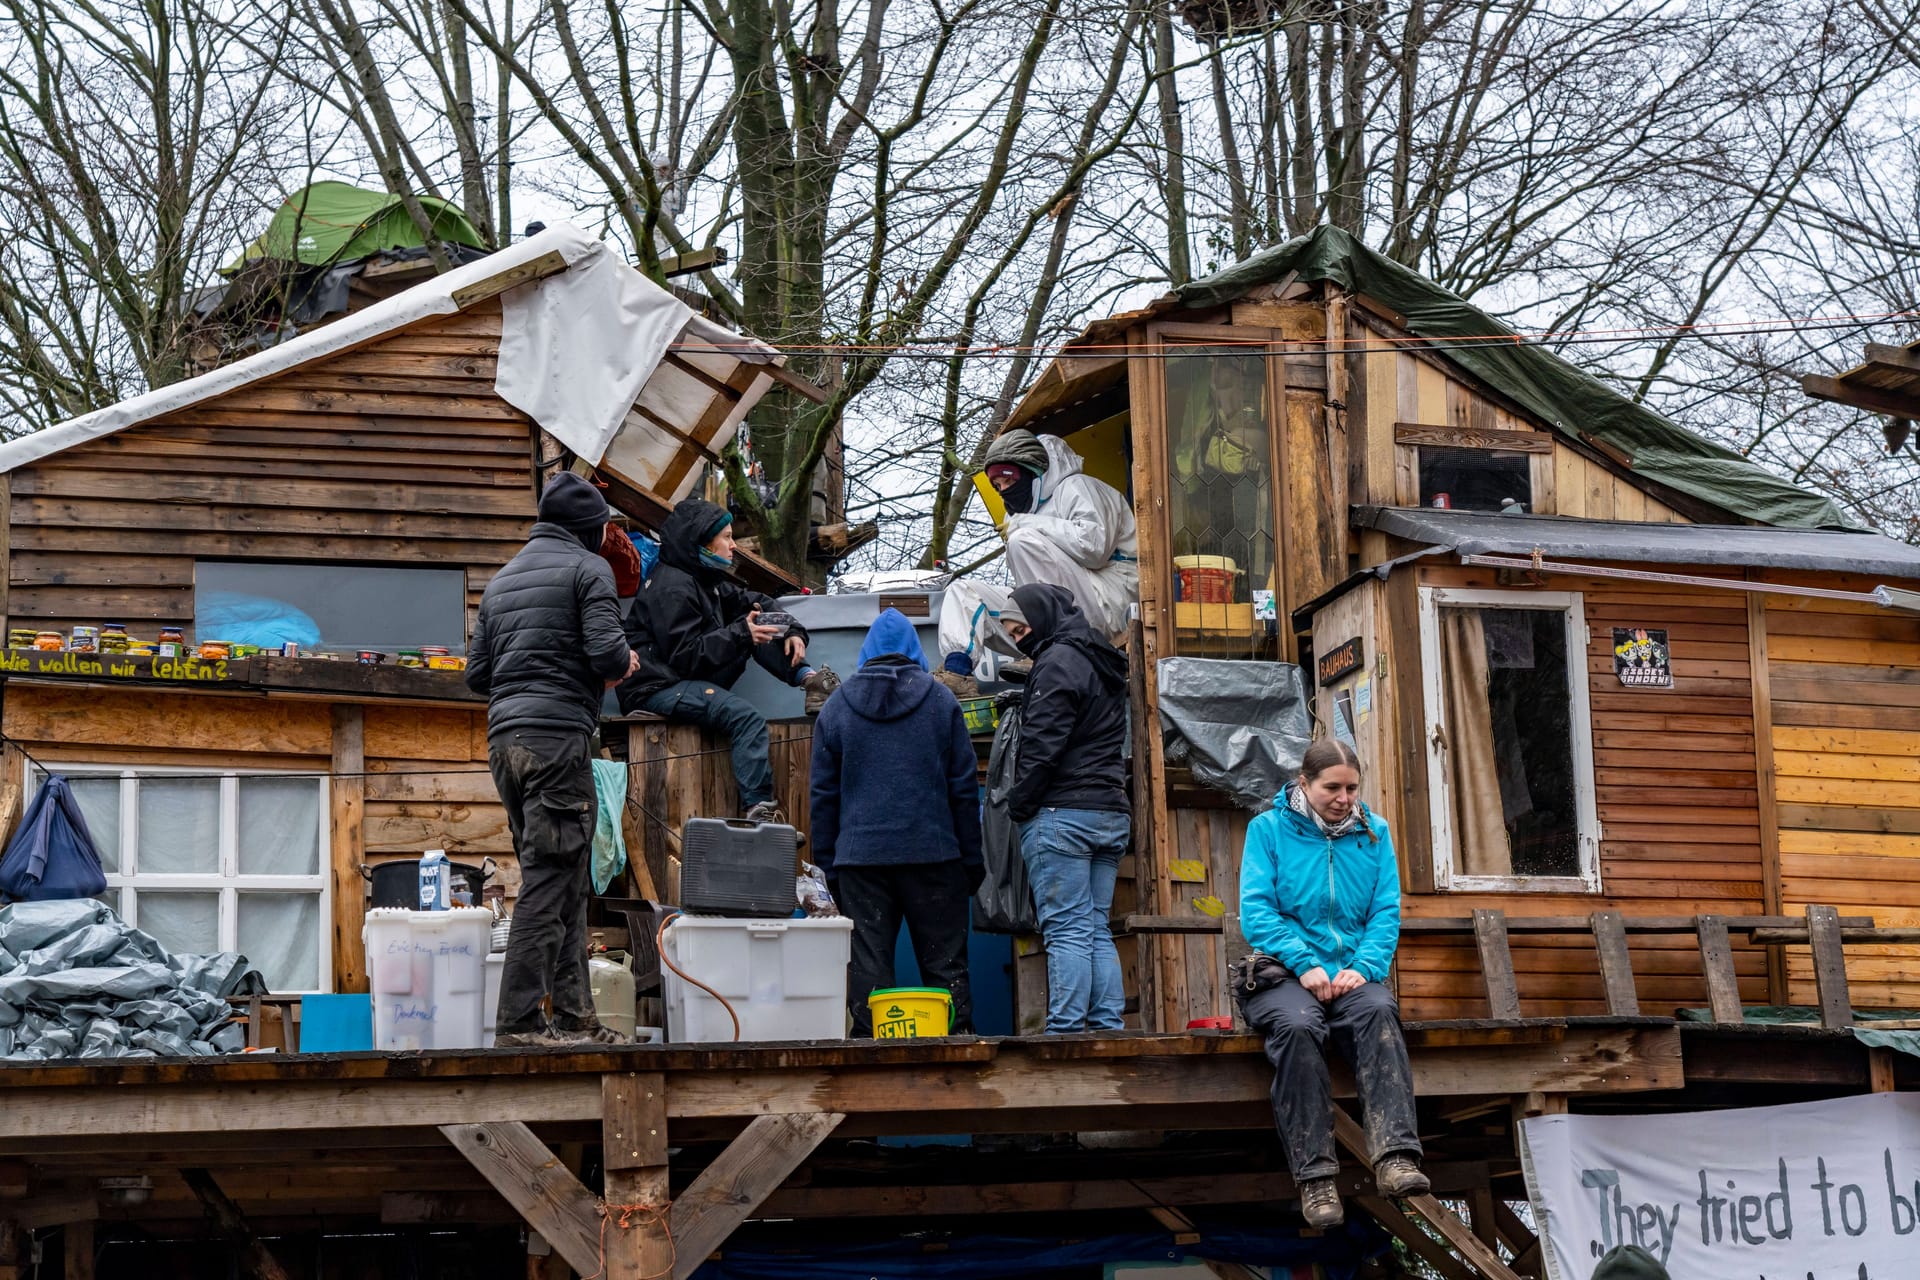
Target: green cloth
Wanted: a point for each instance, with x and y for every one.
(334, 222)
(1899, 1039)
(1566, 398)
(609, 846)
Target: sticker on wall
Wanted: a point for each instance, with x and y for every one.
(1187, 870)
(1363, 699)
(1263, 606)
(1640, 658)
(1210, 906)
(1343, 722)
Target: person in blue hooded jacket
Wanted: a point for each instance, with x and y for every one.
(1320, 905)
(895, 809)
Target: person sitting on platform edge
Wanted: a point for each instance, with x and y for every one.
(1320, 904)
(695, 629)
(544, 651)
(1069, 797)
(896, 819)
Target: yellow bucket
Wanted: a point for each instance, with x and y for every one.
(905, 1013)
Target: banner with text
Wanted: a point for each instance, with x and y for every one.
(1811, 1191)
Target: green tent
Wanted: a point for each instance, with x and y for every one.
(1567, 398)
(334, 222)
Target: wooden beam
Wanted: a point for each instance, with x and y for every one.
(1716, 962)
(1483, 1260)
(1421, 1244)
(1496, 963)
(729, 1190)
(1871, 399)
(257, 1260)
(347, 846)
(1487, 438)
(493, 286)
(1761, 667)
(1168, 924)
(633, 1130)
(76, 1250)
(685, 264)
(1904, 359)
(53, 1210)
(1880, 1069)
(535, 1182)
(1632, 924)
(1616, 964)
(1829, 967)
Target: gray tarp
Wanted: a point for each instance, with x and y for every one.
(77, 982)
(1240, 726)
(1564, 396)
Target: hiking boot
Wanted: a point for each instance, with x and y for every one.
(526, 1040)
(964, 686)
(1320, 1204)
(1399, 1175)
(819, 686)
(766, 811)
(594, 1034)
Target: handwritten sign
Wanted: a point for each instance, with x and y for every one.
(116, 666)
(1811, 1191)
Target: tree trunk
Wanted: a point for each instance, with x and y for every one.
(1179, 253)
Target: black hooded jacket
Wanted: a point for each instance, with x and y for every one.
(689, 621)
(1073, 719)
(548, 638)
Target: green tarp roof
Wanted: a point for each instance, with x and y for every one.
(1565, 397)
(336, 222)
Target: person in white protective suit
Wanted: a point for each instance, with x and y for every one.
(1063, 527)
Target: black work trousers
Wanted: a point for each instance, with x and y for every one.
(935, 901)
(545, 780)
(1364, 1025)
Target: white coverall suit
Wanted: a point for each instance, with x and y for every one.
(1080, 536)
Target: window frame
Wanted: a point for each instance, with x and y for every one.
(227, 882)
(1571, 605)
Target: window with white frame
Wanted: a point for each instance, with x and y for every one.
(205, 862)
(1509, 740)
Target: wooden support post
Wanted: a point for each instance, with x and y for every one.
(1829, 967)
(1418, 1242)
(1616, 964)
(1484, 1260)
(1480, 1205)
(534, 1181)
(1496, 964)
(231, 1224)
(1880, 1069)
(347, 847)
(76, 1248)
(1146, 803)
(728, 1191)
(633, 1130)
(1716, 962)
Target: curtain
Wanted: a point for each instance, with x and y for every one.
(279, 820)
(279, 934)
(100, 802)
(179, 827)
(186, 924)
(1473, 781)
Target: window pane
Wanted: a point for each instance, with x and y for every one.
(280, 936)
(179, 826)
(279, 827)
(1221, 503)
(184, 923)
(341, 607)
(1475, 479)
(100, 801)
(1509, 721)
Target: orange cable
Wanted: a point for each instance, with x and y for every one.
(660, 946)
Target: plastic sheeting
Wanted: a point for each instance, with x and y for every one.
(1004, 901)
(1242, 727)
(1567, 398)
(78, 982)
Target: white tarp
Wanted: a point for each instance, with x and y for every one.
(1811, 1191)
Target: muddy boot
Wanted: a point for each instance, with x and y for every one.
(527, 1040)
(1320, 1204)
(765, 811)
(1398, 1174)
(964, 686)
(588, 1034)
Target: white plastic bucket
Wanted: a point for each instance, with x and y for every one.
(786, 979)
(428, 974)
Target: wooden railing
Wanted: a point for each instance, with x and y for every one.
(1823, 929)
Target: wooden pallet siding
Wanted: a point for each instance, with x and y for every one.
(396, 452)
(1846, 750)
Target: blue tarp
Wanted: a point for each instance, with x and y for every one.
(53, 854)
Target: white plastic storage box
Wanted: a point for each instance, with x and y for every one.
(786, 979)
(490, 1006)
(428, 973)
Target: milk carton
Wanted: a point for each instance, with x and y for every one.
(436, 881)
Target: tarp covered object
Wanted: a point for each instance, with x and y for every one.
(53, 854)
(1242, 727)
(78, 982)
(336, 221)
(1568, 399)
(1004, 901)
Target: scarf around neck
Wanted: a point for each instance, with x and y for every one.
(1354, 821)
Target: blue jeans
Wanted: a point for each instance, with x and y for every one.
(712, 707)
(1073, 858)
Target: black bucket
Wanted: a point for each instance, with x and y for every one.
(397, 884)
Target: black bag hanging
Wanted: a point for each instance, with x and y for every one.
(1004, 902)
(52, 855)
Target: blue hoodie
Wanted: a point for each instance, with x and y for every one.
(1311, 901)
(894, 770)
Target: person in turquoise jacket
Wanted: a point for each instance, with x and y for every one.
(1320, 905)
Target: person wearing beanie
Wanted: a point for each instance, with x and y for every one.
(1629, 1262)
(695, 629)
(1063, 528)
(896, 819)
(547, 646)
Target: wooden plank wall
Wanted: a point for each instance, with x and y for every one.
(1845, 689)
(397, 452)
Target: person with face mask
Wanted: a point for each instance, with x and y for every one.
(695, 629)
(1063, 527)
(1069, 797)
(547, 644)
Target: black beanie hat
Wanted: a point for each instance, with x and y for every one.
(575, 505)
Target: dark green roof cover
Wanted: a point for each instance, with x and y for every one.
(1566, 398)
(334, 222)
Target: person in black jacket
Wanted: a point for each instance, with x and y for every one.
(546, 647)
(1069, 797)
(896, 819)
(695, 629)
